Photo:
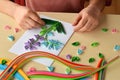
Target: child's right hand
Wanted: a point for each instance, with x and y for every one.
(26, 18)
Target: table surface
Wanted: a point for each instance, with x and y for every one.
(107, 42)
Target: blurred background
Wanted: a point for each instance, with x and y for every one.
(113, 9)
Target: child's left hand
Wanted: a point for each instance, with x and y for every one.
(87, 19)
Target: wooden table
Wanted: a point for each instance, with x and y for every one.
(107, 41)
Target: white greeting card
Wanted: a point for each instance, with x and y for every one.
(18, 47)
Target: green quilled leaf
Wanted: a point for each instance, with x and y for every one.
(101, 55)
(49, 21)
(68, 70)
(55, 25)
(76, 43)
(4, 62)
(91, 60)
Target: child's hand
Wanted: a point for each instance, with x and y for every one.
(26, 18)
(87, 19)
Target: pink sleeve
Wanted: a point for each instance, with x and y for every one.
(55, 6)
(20, 2)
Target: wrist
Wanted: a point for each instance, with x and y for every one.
(95, 8)
(99, 4)
(15, 11)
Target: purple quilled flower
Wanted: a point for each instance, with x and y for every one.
(38, 37)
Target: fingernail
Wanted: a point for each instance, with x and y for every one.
(73, 24)
(41, 23)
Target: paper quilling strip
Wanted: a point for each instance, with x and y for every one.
(19, 75)
(19, 61)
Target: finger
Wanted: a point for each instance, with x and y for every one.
(32, 23)
(76, 21)
(86, 26)
(92, 27)
(81, 23)
(23, 27)
(26, 26)
(36, 18)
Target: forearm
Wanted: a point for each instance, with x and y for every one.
(8, 7)
(99, 4)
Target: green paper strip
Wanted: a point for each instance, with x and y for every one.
(102, 72)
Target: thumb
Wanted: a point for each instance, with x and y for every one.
(36, 18)
(41, 22)
(76, 21)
